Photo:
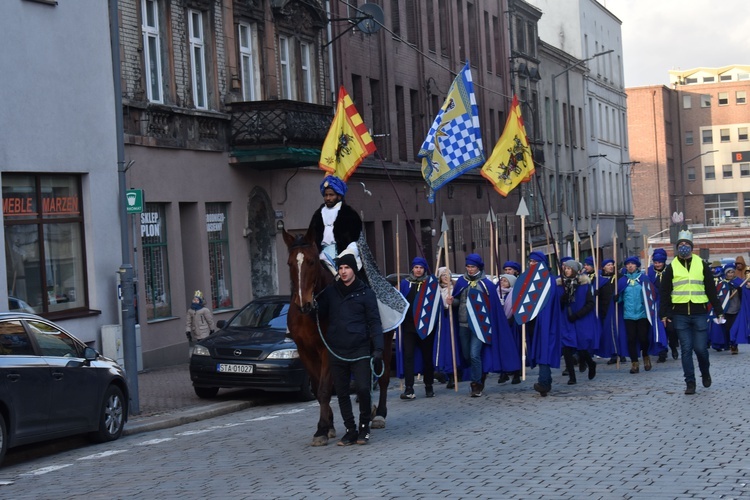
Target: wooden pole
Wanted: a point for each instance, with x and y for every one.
(450, 307)
(617, 316)
(523, 211)
(596, 273)
(399, 333)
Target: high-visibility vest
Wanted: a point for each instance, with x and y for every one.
(687, 285)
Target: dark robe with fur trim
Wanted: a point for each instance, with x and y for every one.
(346, 227)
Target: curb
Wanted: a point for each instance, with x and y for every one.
(146, 424)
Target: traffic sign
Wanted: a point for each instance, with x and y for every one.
(134, 199)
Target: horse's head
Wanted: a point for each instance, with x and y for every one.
(304, 269)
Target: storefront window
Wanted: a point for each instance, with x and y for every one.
(44, 255)
(218, 255)
(155, 262)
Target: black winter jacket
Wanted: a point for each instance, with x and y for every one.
(353, 319)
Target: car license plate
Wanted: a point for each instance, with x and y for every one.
(224, 368)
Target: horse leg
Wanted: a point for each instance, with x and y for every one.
(325, 430)
(381, 410)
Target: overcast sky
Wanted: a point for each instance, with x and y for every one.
(659, 35)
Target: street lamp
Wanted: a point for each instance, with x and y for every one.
(682, 173)
(555, 115)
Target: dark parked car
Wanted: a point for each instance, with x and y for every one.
(252, 350)
(52, 385)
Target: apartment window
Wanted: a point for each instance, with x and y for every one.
(710, 173)
(218, 255)
(688, 137)
(45, 260)
(566, 129)
(705, 101)
(744, 169)
(431, 38)
(740, 97)
(691, 80)
(723, 98)
(687, 101)
(725, 78)
(708, 136)
(155, 262)
(726, 171)
(548, 119)
(400, 109)
(573, 140)
(197, 58)
(248, 68)
(416, 121)
(708, 79)
(395, 20)
(720, 206)
(445, 19)
(305, 72)
(592, 118)
(285, 77)
(691, 173)
(742, 134)
(152, 50)
(724, 134)
(743, 76)
(487, 41)
(471, 18)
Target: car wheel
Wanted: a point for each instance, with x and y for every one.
(306, 390)
(111, 416)
(3, 438)
(206, 392)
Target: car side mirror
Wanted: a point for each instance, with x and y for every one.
(220, 324)
(90, 354)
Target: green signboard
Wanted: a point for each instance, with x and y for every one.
(134, 201)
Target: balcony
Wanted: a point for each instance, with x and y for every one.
(277, 134)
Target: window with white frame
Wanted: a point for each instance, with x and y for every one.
(744, 169)
(740, 97)
(688, 137)
(197, 58)
(724, 134)
(726, 171)
(723, 98)
(705, 101)
(687, 101)
(710, 173)
(306, 89)
(708, 136)
(742, 133)
(248, 62)
(285, 76)
(151, 50)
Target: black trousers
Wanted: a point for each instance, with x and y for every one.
(411, 342)
(637, 331)
(727, 328)
(342, 372)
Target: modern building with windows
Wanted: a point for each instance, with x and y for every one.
(58, 164)
(692, 144)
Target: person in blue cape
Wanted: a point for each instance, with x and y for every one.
(544, 333)
(612, 341)
(654, 273)
(732, 305)
(579, 326)
(505, 295)
(739, 332)
(447, 346)
(421, 290)
(637, 326)
(477, 311)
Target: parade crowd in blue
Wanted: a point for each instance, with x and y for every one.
(468, 329)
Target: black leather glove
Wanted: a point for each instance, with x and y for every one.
(189, 337)
(572, 316)
(377, 358)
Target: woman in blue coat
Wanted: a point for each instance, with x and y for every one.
(580, 327)
(634, 312)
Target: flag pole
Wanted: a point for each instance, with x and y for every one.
(617, 316)
(444, 229)
(522, 212)
(398, 282)
(492, 241)
(596, 274)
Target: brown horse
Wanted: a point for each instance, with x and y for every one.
(309, 278)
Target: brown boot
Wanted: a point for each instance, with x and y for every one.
(647, 363)
(634, 367)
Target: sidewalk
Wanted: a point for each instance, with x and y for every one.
(166, 399)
